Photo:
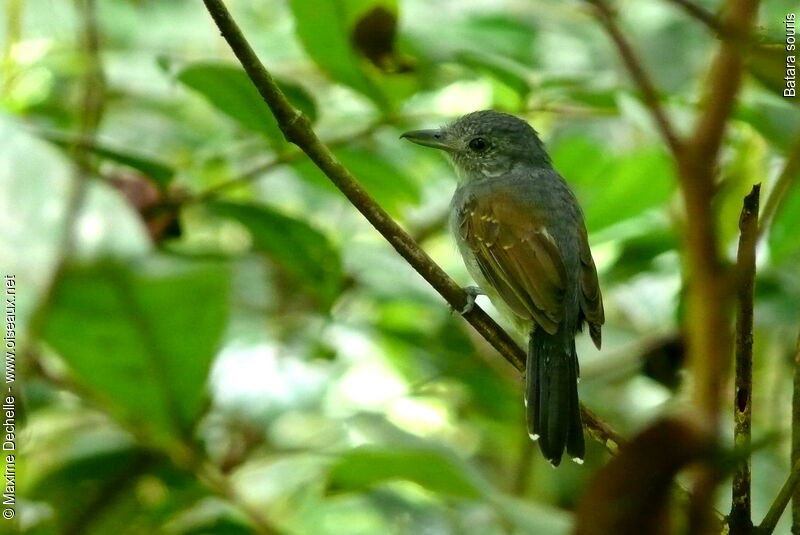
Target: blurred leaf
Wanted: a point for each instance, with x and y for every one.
(777, 295)
(142, 346)
(601, 99)
(784, 246)
(374, 36)
(638, 252)
(745, 169)
(228, 88)
(387, 184)
(156, 208)
(421, 343)
(533, 517)
(430, 468)
(76, 486)
(767, 63)
(664, 359)
(159, 172)
(324, 29)
(229, 525)
(500, 34)
(630, 495)
(305, 253)
(501, 68)
(776, 120)
(614, 187)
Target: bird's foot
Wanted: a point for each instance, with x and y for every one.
(472, 292)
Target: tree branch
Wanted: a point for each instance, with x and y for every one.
(282, 158)
(740, 520)
(636, 70)
(708, 317)
(701, 14)
(297, 129)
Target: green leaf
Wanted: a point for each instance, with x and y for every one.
(219, 525)
(430, 468)
(767, 63)
(783, 243)
(749, 154)
(228, 88)
(638, 252)
(500, 68)
(614, 187)
(501, 34)
(136, 336)
(324, 29)
(387, 184)
(305, 253)
(159, 172)
(776, 120)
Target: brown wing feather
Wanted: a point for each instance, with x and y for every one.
(518, 258)
(591, 299)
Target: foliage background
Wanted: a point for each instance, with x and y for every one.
(224, 339)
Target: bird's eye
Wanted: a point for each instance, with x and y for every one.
(478, 144)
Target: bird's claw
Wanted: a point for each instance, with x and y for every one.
(472, 292)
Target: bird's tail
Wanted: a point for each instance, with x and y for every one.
(551, 395)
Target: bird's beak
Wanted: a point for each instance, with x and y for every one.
(429, 138)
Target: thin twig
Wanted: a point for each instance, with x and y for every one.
(775, 511)
(297, 129)
(700, 13)
(740, 520)
(91, 107)
(221, 484)
(289, 156)
(636, 70)
(789, 173)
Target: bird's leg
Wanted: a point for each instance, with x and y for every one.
(472, 292)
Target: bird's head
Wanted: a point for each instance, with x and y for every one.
(485, 144)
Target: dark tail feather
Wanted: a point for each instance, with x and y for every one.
(551, 396)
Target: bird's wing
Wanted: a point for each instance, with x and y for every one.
(591, 299)
(517, 256)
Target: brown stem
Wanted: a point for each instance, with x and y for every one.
(740, 520)
(708, 315)
(279, 159)
(636, 70)
(297, 129)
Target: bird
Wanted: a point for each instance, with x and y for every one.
(522, 235)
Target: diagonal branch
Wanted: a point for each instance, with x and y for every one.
(775, 511)
(740, 519)
(297, 129)
(709, 298)
(636, 70)
(700, 13)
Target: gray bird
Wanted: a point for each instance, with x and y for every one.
(521, 233)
